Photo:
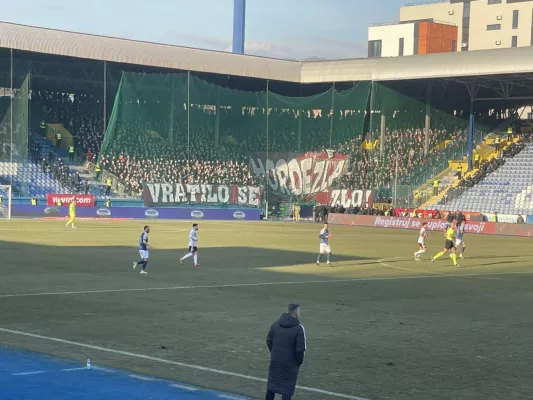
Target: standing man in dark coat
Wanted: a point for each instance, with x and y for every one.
(287, 345)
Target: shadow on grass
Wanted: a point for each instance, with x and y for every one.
(31, 268)
(496, 263)
(234, 257)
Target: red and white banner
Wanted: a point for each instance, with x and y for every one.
(83, 200)
(166, 194)
(300, 174)
(345, 197)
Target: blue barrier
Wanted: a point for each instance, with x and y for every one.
(250, 214)
(529, 219)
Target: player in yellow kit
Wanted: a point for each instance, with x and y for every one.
(72, 213)
(449, 245)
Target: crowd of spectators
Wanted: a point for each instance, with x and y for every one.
(144, 147)
(321, 211)
(81, 114)
(404, 158)
(135, 156)
(53, 166)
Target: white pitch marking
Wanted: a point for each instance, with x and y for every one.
(141, 378)
(103, 369)
(28, 373)
(73, 369)
(170, 362)
(230, 397)
(376, 279)
(405, 269)
(183, 387)
(477, 276)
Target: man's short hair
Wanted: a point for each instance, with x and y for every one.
(193, 225)
(293, 308)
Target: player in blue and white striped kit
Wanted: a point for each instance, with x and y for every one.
(143, 250)
(324, 236)
(459, 238)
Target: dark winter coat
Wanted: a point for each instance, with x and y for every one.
(287, 345)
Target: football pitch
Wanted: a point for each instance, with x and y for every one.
(379, 325)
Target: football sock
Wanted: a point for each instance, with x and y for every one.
(145, 263)
(438, 255)
(419, 252)
(195, 258)
(454, 259)
(463, 250)
(140, 262)
(187, 255)
(328, 257)
(319, 258)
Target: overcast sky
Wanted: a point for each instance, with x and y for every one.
(274, 28)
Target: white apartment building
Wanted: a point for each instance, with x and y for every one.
(481, 24)
(391, 40)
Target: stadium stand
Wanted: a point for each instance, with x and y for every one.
(179, 128)
(501, 185)
(80, 113)
(150, 140)
(42, 175)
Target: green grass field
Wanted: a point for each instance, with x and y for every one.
(379, 325)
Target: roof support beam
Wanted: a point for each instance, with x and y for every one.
(472, 91)
(508, 98)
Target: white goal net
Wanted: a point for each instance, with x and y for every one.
(5, 201)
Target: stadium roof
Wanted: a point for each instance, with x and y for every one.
(499, 62)
(102, 48)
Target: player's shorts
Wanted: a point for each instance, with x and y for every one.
(421, 244)
(193, 249)
(458, 242)
(449, 245)
(325, 248)
(144, 254)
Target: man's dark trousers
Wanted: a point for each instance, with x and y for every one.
(270, 396)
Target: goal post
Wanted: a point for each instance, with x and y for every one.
(5, 201)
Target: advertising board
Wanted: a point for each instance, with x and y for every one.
(82, 200)
(488, 228)
(26, 210)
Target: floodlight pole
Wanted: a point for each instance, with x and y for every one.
(239, 24)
